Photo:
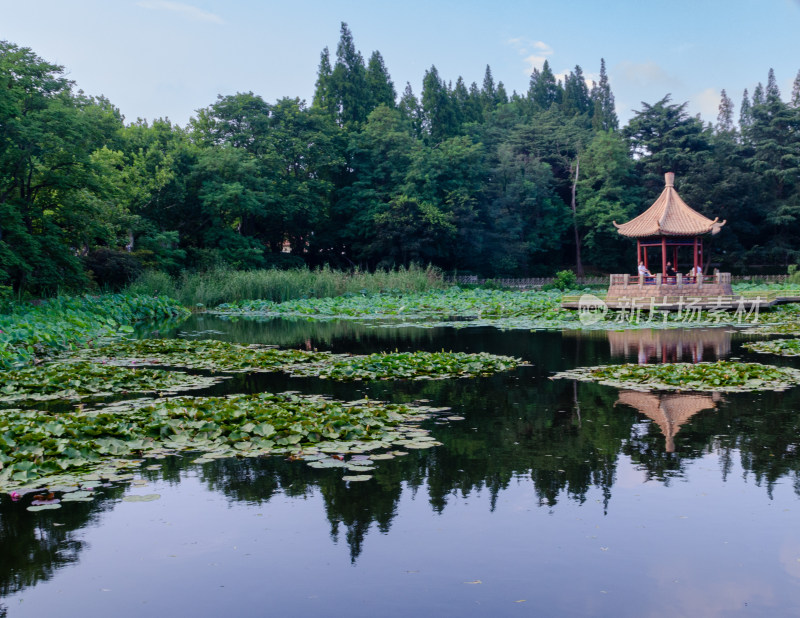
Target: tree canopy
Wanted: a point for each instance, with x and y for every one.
(464, 176)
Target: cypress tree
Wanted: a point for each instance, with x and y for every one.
(545, 89)
(725, 115)
(437, 107)
(576, 94)
(601, 93)
(773, 92)
(488, 93)
(745, 113)
(758, 95)
(349, 82)
(410, 111)
(380, 85)
(323, 99)
(795, 101)
(501, 96)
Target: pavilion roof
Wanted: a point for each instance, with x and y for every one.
(669, 216)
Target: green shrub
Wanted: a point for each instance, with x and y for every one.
(564, 280)
(112, 269)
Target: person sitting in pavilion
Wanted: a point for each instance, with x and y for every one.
(643, 272)
(671, 270)
(695, 272)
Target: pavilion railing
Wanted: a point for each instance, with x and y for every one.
(659, 279)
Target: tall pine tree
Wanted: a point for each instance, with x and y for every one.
(381, 88)
(725, 115)
(604, 115)
(349, 82)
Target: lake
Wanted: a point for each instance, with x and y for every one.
(549, 498)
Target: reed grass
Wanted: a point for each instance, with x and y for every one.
(213, 287)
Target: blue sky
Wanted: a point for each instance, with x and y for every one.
(157, 58)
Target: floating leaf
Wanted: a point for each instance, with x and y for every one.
(144, 498)
(44, 507)
(76, 496)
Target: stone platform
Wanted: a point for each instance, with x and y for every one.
(680, 293)
(703, 289)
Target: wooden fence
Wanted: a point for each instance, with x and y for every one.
(537, 282)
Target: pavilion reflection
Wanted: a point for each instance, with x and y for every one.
(671, 345)
(669, 411)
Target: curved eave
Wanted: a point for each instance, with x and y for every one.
(637, 231)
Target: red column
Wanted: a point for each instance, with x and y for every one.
(663, 256)
(695, 255)
(638, 253)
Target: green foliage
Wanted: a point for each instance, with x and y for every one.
(464, 178)
(30, 332)
(217, 286)
(782, 347)
(67, 447)
(112, 269)
(719, 376)
(564, 280)
(443, 304)
(77, 380)
(228, 357)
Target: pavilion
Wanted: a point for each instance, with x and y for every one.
(670, 227)
(669, 224)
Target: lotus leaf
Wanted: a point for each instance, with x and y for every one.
(717, 376)
(44, 507)
(144, 498)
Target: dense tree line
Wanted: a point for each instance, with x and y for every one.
(469, 178)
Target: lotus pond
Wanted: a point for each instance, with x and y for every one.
(268, 465)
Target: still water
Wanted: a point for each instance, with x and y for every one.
(551, 498)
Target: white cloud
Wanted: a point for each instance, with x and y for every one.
(643, 74)
(707, 103)
(534, 53)
(187, 10)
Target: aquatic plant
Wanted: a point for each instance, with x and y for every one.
(782, 347)
(77, 380)
(717, 376)
(205, 354)
(31, 331)
(63, 448)
(230, 357)
(413, 365)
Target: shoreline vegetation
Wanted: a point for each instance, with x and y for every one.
(222, 285)
(72, 350)
(32, 332)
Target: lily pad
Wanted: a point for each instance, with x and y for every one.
(78, 496)
(357, 478)
(718, 376)
(140, 498)
(44, 507)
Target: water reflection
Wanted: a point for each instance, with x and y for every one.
(671, 345)
(668, 410)
(566, 444)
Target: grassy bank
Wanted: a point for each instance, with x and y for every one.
(31, 331)
(214, 287)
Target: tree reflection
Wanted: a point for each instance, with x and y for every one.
(566, 437)
(34, 546)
